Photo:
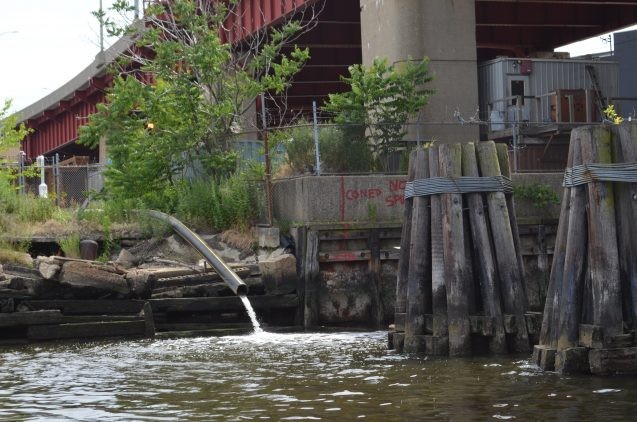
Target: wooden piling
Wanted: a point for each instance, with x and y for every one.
(454, 253)
(505, 169)
(419, 278)
(455, 290)
(625, 151)
(568, 317)
(512, 283)
(548, 333)
(438, 289)
(403, 264)
(483, 250)
(377, 308)
(602, 242)
(311, 312)
(590, 300)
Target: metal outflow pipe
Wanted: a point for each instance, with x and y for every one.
(227, 275)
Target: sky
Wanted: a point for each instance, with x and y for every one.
(45, 43)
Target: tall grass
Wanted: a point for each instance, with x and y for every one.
(222, 205)
(70, 245)
(18, 208)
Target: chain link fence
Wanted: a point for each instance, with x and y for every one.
(69, 184)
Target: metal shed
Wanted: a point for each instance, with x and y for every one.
(544, 95)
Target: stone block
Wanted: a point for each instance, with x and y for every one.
(268, 237)
(279, 274)
(415, 344)
(613, 361)
(177, 246)
(544, 357)
(48, 271)
(125, 259)
(572, 361)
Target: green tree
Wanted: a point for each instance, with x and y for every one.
(181, 94)
(11, 134)
(381, 100)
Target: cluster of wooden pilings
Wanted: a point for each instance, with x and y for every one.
(460, 288)
(591, 308)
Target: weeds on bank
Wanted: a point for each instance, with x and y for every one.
(15, 253)
(70, 245)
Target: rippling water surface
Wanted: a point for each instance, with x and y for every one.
(290, 377)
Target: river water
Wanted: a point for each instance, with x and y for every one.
(335, 377)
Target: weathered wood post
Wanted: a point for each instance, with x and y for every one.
(483, 250)
(568, 317)
(503, 160)
(454, 253)
(544, 352)
(403, 264)
(625, 151)
(440, 338)
(419, 279)
(311, 312)
(512, 283)
(602, 242)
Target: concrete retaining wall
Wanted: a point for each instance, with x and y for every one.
(377, 198)
(336, 199)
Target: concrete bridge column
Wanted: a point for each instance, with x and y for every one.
(443, 30)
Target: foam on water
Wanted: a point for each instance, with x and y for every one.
(251, 314)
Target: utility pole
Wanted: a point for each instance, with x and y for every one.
(101, 28)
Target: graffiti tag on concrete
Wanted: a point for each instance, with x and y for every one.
(393, 193)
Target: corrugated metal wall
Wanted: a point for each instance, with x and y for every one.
(546, 76)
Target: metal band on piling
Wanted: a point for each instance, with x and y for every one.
(587, 173)
(464, 184)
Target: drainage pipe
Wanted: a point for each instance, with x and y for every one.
(230, 277)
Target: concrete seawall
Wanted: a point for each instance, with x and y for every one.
(376, 198)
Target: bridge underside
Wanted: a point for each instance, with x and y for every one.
(521, 27)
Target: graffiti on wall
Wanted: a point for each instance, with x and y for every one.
(392, 193)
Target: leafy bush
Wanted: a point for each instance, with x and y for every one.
(299, 145)
(382, 98)
(538, 194)
(342, 153)
(340, 150)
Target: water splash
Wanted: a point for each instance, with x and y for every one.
(253, 316)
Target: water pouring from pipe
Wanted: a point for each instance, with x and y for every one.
(253, 316)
